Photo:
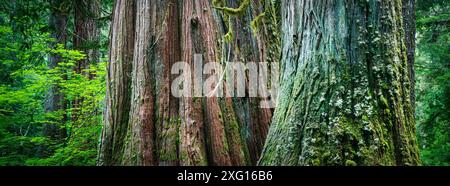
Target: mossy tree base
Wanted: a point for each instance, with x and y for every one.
(345, 86)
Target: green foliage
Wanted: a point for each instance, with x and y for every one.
(433, 77)
(83, 127)
(22, 114)
(25, 83)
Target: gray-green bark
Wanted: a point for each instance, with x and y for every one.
(345, 86)
(118, 83)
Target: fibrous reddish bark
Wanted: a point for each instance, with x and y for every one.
(118, 83)
(162, 129)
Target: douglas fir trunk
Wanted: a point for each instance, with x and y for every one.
(345, 86)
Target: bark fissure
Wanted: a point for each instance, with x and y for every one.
(162, 129)
(351, 57)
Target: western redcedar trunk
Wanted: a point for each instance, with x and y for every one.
(55, 99)
(118, 83)
(144, 123)
(345, 86)
(257, 43)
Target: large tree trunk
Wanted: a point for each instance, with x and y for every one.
(87, 32)
(162, 129)
(345, 86)
(118, 83)
(55, 99)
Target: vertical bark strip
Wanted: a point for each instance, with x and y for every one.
(192, 135)
(345, 86)
(265, 48)
(409, 24)
(216, 134)
(162, 129)
(140, 144)
(203, 37)
(168, 106)
(118, 81)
